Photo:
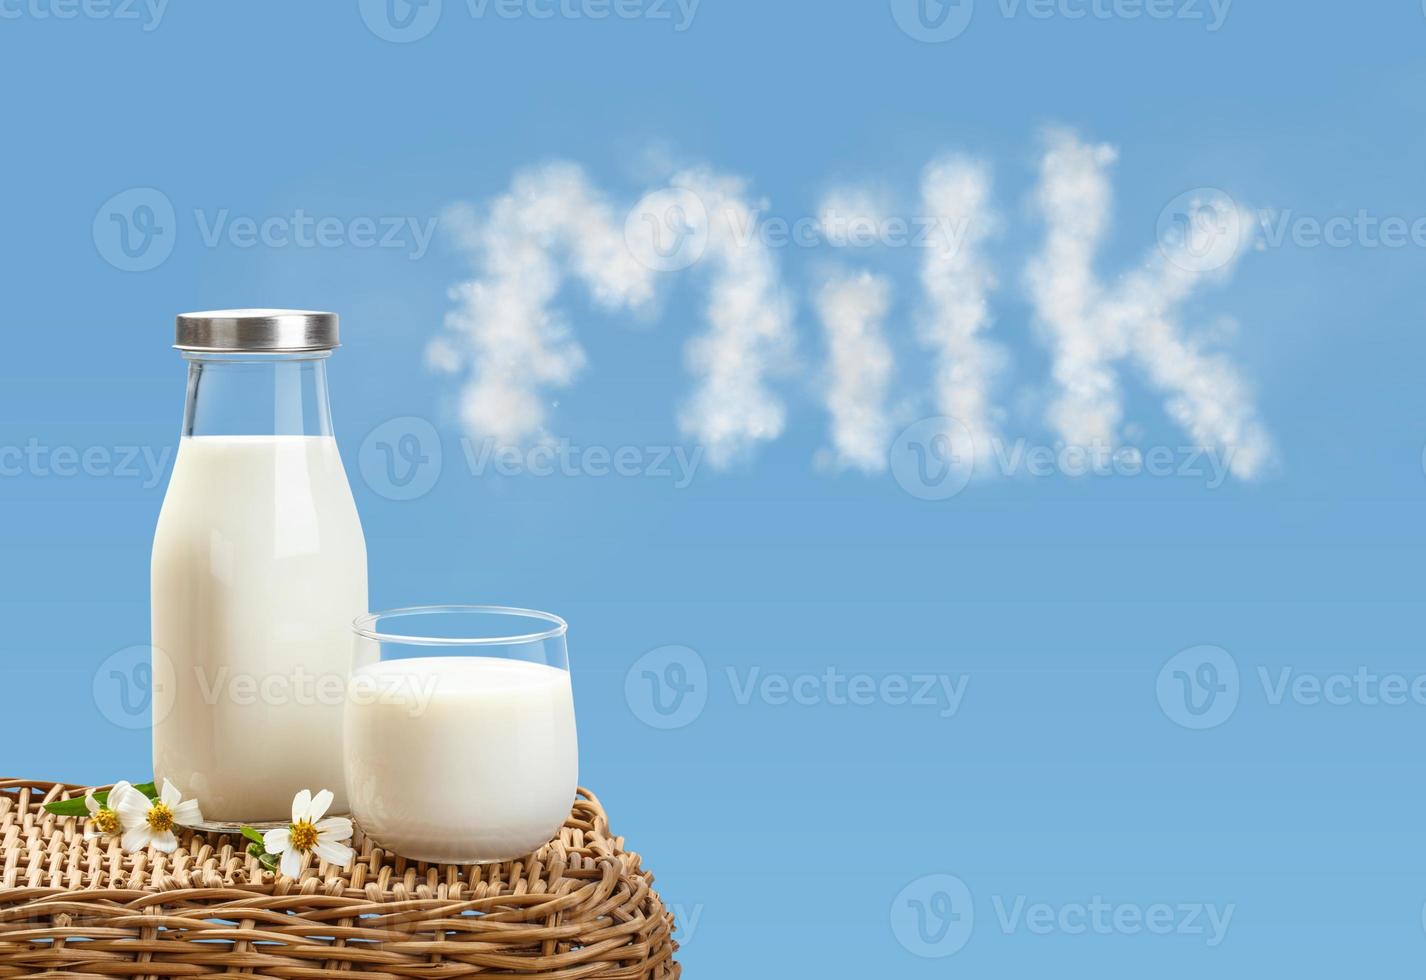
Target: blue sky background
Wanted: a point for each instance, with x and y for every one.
(797, 837)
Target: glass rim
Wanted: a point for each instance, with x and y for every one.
(362, 625)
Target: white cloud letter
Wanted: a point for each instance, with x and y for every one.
(550, 223)
(1092, 326)
(852, 309)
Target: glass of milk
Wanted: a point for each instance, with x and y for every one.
(459, 734)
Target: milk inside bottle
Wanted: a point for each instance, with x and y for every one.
(259, 568)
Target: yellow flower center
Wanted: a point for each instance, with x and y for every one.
(160, 817)
(106, 821)
(304, 835)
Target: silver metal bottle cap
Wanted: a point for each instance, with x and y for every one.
(258, 331)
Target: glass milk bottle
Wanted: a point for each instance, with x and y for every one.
(259, 569)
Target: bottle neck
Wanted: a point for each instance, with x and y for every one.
(257, 394)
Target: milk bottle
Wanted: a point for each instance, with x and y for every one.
(259, 568)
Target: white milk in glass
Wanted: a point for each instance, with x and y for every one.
(461, 759)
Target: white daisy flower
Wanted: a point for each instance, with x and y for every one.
(103, 820)
(310, 833)
(150, 822)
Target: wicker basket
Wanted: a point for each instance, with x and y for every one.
(581, 906)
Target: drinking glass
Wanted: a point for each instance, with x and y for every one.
(459, 732)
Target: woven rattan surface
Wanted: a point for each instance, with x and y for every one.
(581, 906)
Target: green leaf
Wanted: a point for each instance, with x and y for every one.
(268, 861)
(255, 837)
(69, 808)
(76, 807)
